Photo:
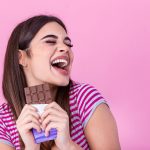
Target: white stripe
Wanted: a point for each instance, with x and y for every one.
(72, 107)
(85, 146)
(7, 119)
(76, 129)
(83, 142)
(9, 123)
(84, 101)
(6, 142)
(72, 101)
(75, 118)
(79, 139)
(93, 109)
(73, 112)
(80, 133)
(92, 100)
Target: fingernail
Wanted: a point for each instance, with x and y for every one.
(46, 134)
(42, 127)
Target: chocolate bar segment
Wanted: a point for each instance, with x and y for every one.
(39, 94)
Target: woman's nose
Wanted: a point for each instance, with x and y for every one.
(63, 48)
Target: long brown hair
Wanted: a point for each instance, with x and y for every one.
(14, 80)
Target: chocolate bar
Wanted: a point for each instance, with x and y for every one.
(39, 94)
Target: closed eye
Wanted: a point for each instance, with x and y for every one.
(70, 45)
(54, 42)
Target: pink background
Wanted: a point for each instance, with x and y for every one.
(112, 52)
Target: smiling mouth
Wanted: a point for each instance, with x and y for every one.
(61, 65)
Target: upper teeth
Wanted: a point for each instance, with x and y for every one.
(65, 62)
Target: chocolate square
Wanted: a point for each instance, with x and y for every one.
(39, 94)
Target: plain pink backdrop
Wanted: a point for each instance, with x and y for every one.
(112, 52)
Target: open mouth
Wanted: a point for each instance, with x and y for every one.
(61, 65)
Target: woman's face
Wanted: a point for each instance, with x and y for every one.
(51, 57)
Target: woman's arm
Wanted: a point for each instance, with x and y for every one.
(6, 147)
(101, 130)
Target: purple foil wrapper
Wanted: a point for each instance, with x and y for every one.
(40, 136)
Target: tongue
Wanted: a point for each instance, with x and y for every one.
(61, 70)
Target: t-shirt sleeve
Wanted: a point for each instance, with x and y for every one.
(88, 99)
(4, 134)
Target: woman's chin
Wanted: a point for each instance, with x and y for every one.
(59, 82)
(64, 83)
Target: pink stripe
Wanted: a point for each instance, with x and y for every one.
(3, 131)
(73, 91)
(9, 126)
(75, 115)
(4, 138)
(15, 138)
(73, 109)
(75, 86)
(82, 92)
(90, 99)
(83, 120)
(82, 101)
(79, 130)
(16, 142)
(5, 113)
(76, 126)
(81, 89)
(72, 104)
(96, 100)
(79, 136)
(14, 133)
(74, 121)
(72, 98)
(8, 121)
(7, 116)
(85, 143)
(83, 139)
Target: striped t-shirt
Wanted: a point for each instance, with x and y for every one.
(83, 100)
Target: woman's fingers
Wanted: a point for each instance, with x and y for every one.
(30, 118)
(53, 125)
(28, 112)
(54, 105)
(30, 126)
(52, 118)
(28, 107)
(52, 111)
(31, 112)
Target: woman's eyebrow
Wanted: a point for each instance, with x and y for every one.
(50, 36)
(67, 38)
(55, 37)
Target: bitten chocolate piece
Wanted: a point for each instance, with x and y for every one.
(39, 94)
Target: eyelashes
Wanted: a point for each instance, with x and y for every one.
(54, 42)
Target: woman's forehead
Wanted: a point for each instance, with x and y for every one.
(51, 28)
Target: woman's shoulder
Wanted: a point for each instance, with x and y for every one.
(4, 107)
(87, 98)
(84, 92)
(81, 87)
(5, 111)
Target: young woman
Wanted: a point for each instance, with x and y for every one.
(39, 51)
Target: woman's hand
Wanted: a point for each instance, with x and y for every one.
(55, 117)
(28, 119)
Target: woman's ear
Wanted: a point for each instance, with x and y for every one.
(22, 56)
